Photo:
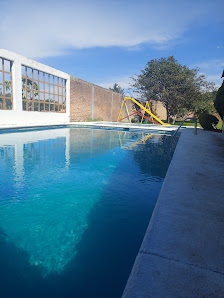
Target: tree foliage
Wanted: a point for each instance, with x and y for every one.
(207, 121)
(117, 88)
(219, 101)
(173, 84)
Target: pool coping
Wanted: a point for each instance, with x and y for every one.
(100, 124)
(182, 251)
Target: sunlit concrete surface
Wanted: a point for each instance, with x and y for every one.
(100, 124)
(182, 252)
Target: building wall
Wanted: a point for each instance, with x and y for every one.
(92, 102)
(84, 101)
(17, 115)
(159, 110)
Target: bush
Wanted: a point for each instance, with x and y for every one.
(133, 120)
(219, 101)
(208, 121)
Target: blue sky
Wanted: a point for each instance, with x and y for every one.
(105, 41)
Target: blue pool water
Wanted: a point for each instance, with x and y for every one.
(74, 207)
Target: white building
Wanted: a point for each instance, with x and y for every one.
(31, 92)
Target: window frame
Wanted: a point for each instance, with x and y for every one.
(46, 95)
(4, 85)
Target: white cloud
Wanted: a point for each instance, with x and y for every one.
(123, 81)
(210, 65)
(212, 69)
(49, 28)
(216, 79)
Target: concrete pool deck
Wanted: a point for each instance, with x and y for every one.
(100, 124)
(182, 254)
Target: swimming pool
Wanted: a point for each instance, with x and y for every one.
(74, 206)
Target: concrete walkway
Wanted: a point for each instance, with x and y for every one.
(182, 254)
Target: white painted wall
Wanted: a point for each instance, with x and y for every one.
(17, 115)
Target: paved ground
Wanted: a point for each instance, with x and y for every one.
(182, 254)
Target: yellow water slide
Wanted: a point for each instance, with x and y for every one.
(145, 109)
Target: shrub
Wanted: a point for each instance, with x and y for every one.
(207, 121)
(219, 101)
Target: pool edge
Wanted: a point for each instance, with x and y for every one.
(173, 260)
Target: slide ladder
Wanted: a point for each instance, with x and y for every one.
(139, 112)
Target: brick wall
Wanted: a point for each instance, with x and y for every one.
(89, 100)
(159, 110)
(80, 100)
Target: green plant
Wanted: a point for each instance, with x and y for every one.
(207, 121)
(176, 86)
(219, 101)
(133, 120)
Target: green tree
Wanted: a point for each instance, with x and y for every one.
(219, 101)
(117, 88)
(173, 84)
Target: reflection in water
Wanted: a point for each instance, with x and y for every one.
(141, 139)
(48, 209)
(51, 181)
(153, 159)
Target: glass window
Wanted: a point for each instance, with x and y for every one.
(47, 88)
(40, 91)
(41, 86)
(8, 79)
(36, 108)
(1, 103)
(8, 104)
(29, 106)
(7, 65)
(46, 97)
(23, 94)
(35, 74)
(41, 95)
(23, 71)
(6, 97)
(8, 91)
(35, 95)
(41, 76)
(56, 80)
(46, 106)
(29, 72)
(24, 105)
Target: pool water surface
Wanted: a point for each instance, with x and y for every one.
(74, 207)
